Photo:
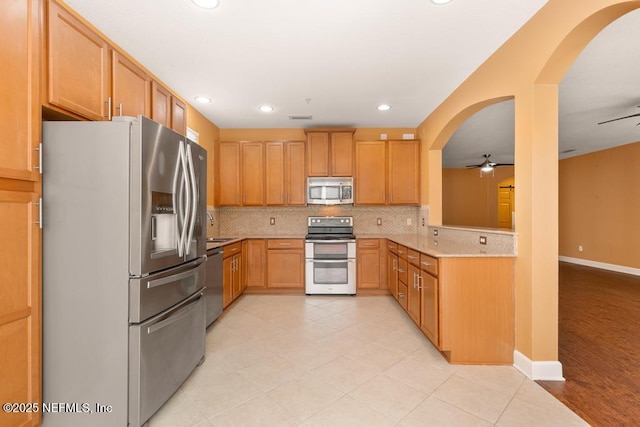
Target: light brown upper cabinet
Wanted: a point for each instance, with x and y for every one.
(370, 176)
(240, 174)
(78, 66)
(160, 104)
(228, 174)
(387, 172)
(330, 152)
(89, 78)
(404, 172)
(284, 173)
(178, 116)
(168, 110)
(130, 87)
(252, 171)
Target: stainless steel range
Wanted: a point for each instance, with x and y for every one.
(330, 252)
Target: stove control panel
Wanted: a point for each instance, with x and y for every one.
(330, 221)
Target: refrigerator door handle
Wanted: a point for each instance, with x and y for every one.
(183, 200)
(187, 198)
(194, 200)
(177, 202)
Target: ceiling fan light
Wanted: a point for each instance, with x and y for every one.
(486, 168)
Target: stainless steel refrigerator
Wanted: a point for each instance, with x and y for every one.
(124, 244)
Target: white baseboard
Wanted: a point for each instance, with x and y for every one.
(536, 370)
(601, 265)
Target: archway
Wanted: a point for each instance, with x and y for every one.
(529, 67)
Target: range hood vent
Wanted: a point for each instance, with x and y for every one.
(300, 117)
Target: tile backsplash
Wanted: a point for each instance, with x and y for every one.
(292, 221)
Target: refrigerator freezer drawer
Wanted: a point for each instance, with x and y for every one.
(150, 295)
(163, 352)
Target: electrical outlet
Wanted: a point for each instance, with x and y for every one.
(435, 243)
(483, 240)
(379, 221)
(272, 221)
(435, 231)
(408, 221)
(423, 222)
(580, 248)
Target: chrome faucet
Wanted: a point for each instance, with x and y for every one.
(210, 218)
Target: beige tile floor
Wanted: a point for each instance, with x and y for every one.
(344, 361)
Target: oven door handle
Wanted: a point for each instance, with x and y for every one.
(333, 241)
(322, 261)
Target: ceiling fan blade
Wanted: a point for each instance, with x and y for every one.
(473, 166)
(502, 164)
(620, 118)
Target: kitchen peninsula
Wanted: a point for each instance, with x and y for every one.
(458, 293)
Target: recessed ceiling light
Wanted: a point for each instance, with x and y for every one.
(266, 108)
(384, 107)
(206, 4)
(203, 99)
(441, 1)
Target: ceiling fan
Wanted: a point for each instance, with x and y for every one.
(487, 165)
(620, 118)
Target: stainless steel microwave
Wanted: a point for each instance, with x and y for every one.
(329, 190)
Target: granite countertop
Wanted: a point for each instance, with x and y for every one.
(439, 248)
(232, 240)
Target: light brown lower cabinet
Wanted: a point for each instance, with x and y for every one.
(464, 305)
(254, 255)
(285, 263)
(370, 270)
(231, 273)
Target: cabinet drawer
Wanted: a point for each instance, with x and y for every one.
(429, 264)
(402, 252)
(392, 247)
(413, 257)
(403, 270)
(368, 243)
(403, 295)
(285, 244)
(232, 249)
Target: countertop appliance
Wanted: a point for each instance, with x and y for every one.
(329, 190)
(213, 291)
(124, 241)
(330, 256)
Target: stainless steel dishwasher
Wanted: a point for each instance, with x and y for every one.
(213, 291)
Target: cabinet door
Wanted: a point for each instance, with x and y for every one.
(130, 88)
(178, 116)
(341, 154)
(414, 299)
(236, 271)
(368, 257)
(295, 177)
(19, 90)
(404, 172)
(402, 295)
(430, 312)
(285, 268)
(254, 255)
(227, 281)
(274, 173)
(318, 153)
(160, 104)
(20, 304)
(77, 66)
(252, 167)
(370, 173)
(228, 174)
(392, 274)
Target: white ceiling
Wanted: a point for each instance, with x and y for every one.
(602, 84)
(344, 56)
(338, 59)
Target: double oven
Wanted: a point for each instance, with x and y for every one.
(330, 255)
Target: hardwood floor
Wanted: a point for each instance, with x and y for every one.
(599, 345)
